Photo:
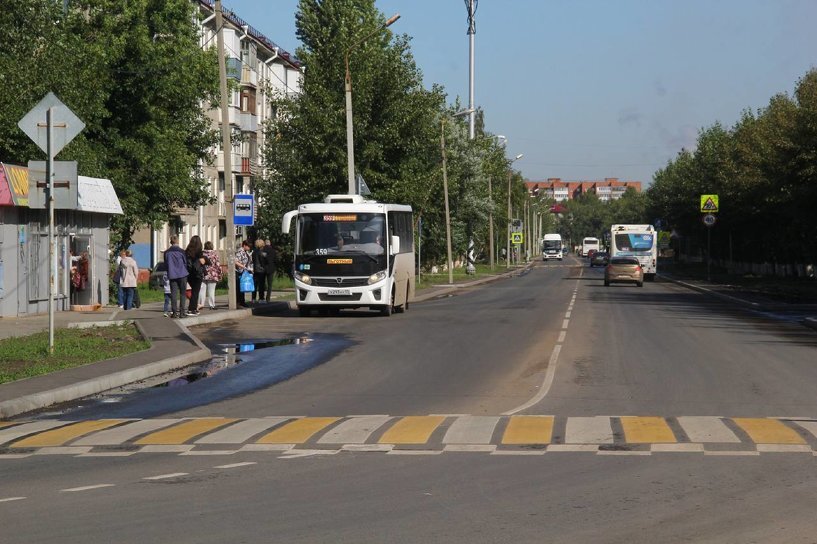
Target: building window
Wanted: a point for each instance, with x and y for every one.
(222, 229)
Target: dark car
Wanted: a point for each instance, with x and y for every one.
(599, 258)
(591, 252)
(625, 270)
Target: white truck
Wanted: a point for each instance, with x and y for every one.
(552, 247)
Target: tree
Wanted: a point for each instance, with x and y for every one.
(135, 74)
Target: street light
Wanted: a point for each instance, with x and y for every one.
(350, 146)
(445, 190)
(508, 246)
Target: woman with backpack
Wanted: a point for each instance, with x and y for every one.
(196, 266)
(259, 270)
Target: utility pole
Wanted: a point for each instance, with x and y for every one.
(490, 224)
(227, 148)
(447, 213)
(510, 218)
(472, 30)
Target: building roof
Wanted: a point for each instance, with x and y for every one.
(95, 195)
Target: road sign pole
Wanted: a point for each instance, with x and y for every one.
(708, 253)
(52, 261)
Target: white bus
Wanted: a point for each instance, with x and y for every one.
(552, 247)
(640, 241)
(588, 244)
(352, 253)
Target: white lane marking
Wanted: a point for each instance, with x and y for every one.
(208, 452)
(707, 429)
(414, 452)
(170, 448)
(236, 465)
(9, 499)
(617, 452)
(567, 315)
(471, 430)
(295, 454)
(677, 448)
(810, 426)
(562, 335)
(551, 372)
(13, 433)
(107, 454)
(368, 447)
(588, 430)
(167, 476)
(124, 433)
(63, 450)
(558, 448)
(266, 447)
(85, 488)
(517, 452)
(475, 448)
(355, 430)
(240, 432)
(733, 453)
(565, 323)
(783, 448)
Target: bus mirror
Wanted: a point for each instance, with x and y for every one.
(395, 245)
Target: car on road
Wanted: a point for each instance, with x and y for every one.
(591, 252)
(599, 258)
(624, 270)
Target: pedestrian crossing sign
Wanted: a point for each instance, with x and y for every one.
(517, 238)
(709, 203)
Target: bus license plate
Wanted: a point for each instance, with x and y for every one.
(339, 292)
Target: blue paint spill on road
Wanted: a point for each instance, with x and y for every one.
(258, 365)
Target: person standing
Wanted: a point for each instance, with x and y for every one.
(128, 277)
(212, 275)
(259, 270)
(242, 263)
(177, 274)
(270, 266)
(195, 272)
(120, 292)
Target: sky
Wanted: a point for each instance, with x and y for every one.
(594, 89)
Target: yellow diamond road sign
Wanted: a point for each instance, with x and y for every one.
(516, 238)
(709, 203)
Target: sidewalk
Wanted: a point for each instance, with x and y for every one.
(172, 346)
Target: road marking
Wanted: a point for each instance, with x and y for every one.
(784, 448)
(473, 448)
(528, 430)
(6, 424)
(178, 448)
(241, 431)
(572, 448)
(58, 437)
(14, 433)
(567, 314)
(202, 453)
(237, 465)
(565, 323)
(707, 429)
(63, 450)
(810, 426)
(543, 391)
(125, 433)
(588, 430)
(355, 430)
(562, 335)
(471, 430)
(677, 448)
(646, 430)
(181, 433)
(9, 499)
(85, 488)
(167, 476)
(368, 447)
(768, 431)
(412, 430)
(298, 431)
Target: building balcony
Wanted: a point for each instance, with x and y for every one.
(248, 122)
(249, 76)
(235, 161)
(234, 68)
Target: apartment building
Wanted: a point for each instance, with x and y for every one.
(558, 190)
(262, 70)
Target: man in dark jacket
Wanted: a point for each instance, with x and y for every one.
(270, 267)
(176, 260)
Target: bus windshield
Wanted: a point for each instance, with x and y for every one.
(552, 244)
(341, 232)
(634, 243)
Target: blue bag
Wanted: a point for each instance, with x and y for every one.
(246, 283)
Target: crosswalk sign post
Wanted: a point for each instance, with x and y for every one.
(709, 203)
(517, 238)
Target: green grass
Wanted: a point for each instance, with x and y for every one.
(28, 356)
(460, 276)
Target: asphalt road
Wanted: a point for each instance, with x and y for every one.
(552, 342)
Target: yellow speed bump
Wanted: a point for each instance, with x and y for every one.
(58, 437)
(768, 431)
(528, 430)
(297, 432)
(647, 430)
(412, 430)
(181, 433)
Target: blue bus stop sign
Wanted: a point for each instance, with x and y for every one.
(243, 210)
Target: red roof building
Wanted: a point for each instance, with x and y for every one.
(606, 190)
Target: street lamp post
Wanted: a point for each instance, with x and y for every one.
(350, 143)
(445, 190)
(508, 238)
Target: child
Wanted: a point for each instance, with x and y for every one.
(166, 286)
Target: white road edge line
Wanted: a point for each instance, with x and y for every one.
(9, 499)
(85, 488)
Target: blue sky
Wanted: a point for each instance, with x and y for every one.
(589, 89)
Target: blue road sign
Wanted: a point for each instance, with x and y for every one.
(244, 210)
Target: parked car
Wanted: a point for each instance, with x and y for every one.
(599, 258)
(624, 270)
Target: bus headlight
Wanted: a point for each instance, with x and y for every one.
(376, 277)
(303, 278)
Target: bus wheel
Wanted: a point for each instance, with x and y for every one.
(408, 292)
(388, 309)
